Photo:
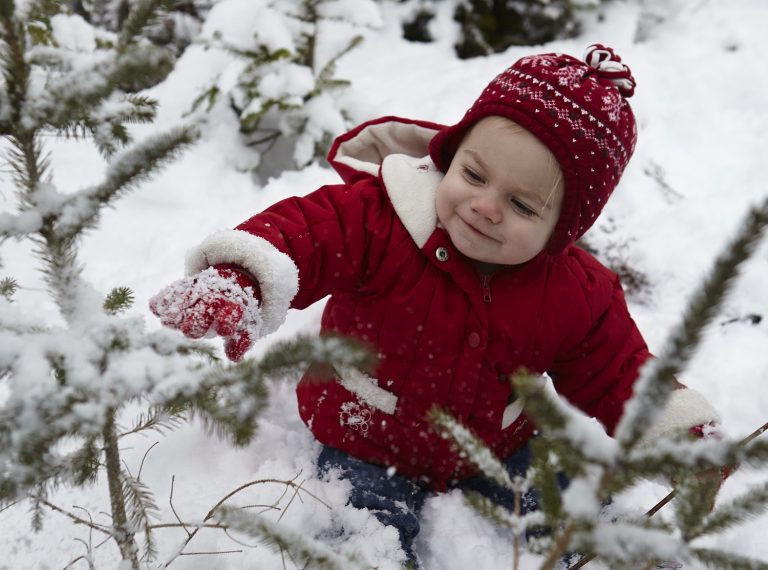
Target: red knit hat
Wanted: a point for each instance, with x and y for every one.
(578, 109)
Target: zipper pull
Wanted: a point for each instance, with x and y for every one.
(485, 280)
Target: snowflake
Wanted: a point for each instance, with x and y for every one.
(355, 415)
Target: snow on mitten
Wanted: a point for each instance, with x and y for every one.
(707, 431)
(221, 300)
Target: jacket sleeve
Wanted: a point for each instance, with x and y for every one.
(302, 249)
(596, 371)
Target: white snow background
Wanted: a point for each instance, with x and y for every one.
(702, 91)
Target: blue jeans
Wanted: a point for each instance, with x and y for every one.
(396, 500)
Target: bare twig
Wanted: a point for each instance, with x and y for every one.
(173, 509)
(185, 525)
(212, 552)
(8, 506)
(295, 494)
(559, 549)
(193, 528)
(141, 465)
(88, 546)
(73, 517)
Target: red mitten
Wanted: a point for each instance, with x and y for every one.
(707, 431)
(222, 300)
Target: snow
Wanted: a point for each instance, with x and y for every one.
(700, 104)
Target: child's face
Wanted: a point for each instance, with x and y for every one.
(501, 197)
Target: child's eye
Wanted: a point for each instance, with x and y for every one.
(521, 208)
(472, 176)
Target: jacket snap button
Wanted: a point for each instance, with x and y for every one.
(441, 253)
(473, 340)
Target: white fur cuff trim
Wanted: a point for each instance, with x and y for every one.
(686, 408)
(276, 273)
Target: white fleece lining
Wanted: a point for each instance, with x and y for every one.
(276, 273)
(511, 413)
(515, 408)
(367, 150)
(686, 408)
(412, 186)
(367, 390)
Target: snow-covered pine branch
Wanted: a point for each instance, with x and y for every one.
(657, 378)
(287, 98)
(470, 447)
(301, 548)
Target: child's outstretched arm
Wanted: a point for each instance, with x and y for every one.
(242, 282)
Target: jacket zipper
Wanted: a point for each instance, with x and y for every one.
(485, 280)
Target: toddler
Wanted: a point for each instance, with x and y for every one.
(450, 251)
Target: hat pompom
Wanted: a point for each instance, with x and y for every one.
(607, 65)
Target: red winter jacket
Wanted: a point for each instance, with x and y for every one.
(444, 333)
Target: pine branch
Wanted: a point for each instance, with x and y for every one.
(89, 98)
(726, 560)
(624, 544)
(325, 78)
(72, 516)
(127, 170)
(6, 9)
(118, 300)
(578, 439)
(42, 10)
(156, 419)
(657, 380)
(141, 67)
(279, 538)
(141, 508)
(304, 350)
(37, 509)
(143, 14)
(670, 457)
(470, 447)
(123, 531)
(85, 463)
(8, 286)
(231, 414)
(544, 479)
(19, 225)
(694, 500)
(752, 503)
(491, 511)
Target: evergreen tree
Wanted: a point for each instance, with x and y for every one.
(491, 26)
(287, 95)
(600, 467)
(177, 27)
(70, 382)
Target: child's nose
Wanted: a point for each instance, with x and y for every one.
(487, 206)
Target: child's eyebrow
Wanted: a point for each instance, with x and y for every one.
(476, 156)
(523, 192)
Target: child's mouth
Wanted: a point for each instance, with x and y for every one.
(476, 231)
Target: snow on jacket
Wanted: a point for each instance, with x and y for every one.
(445, 334)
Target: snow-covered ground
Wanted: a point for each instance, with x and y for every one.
(701, 109)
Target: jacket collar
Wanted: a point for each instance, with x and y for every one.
(411, 184)
(395, 149)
